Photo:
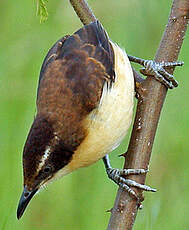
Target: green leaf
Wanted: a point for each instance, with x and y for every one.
(42, 10)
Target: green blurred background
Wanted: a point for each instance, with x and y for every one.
(80, 200)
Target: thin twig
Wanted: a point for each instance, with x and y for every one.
(83, 11)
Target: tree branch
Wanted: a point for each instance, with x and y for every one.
(83, 11)
(147, 116)
(151, 98)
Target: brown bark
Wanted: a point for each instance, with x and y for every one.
(83, 11)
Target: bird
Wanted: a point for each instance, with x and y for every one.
(85, 100)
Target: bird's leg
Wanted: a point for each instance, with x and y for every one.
(117, 175)
(156, 69)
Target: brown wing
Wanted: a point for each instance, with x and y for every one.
(95, 35)
(71, 84)
(51, 56)
(81, 63)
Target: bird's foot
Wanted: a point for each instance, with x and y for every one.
(117, 175)
(156, 69)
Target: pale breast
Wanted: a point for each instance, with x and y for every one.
(108, 124)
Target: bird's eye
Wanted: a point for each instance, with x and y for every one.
(47, 169)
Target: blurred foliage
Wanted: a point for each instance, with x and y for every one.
(42, 10)
(80, 200)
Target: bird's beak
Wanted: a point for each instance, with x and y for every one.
(24, 200)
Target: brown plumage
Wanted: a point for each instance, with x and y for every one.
(71, 83)
(84, 107)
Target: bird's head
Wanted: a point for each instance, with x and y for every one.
(43, 156)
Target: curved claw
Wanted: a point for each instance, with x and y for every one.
(168, 76)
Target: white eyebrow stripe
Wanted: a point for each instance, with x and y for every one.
(44, 157)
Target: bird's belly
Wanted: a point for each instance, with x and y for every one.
(108, 124)
(105, 131)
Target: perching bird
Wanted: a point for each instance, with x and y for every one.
(84, 109)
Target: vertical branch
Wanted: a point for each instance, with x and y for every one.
(147, 116)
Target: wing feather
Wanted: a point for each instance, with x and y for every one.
(74, 72)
